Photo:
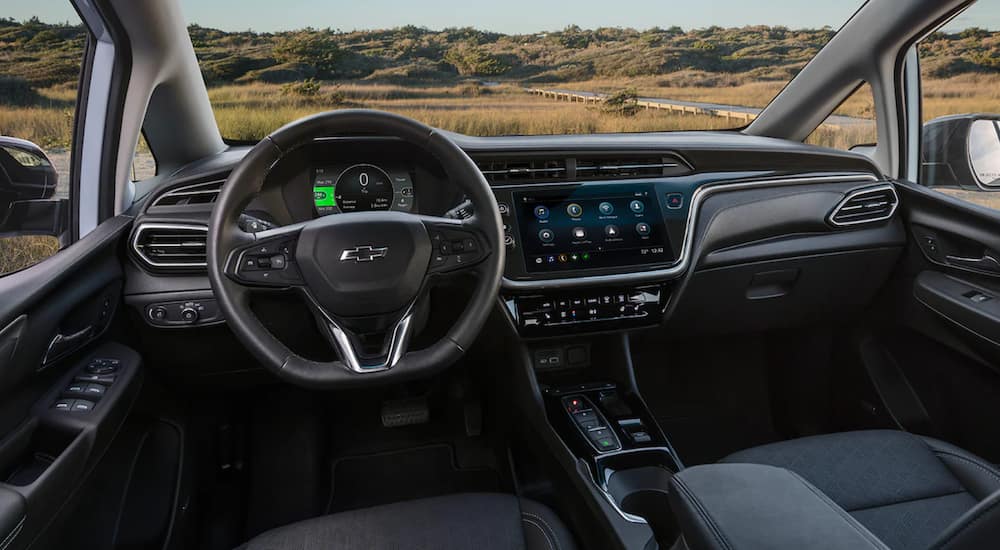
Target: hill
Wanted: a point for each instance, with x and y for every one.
(43, 55)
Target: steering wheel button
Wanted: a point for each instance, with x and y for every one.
(277, 261)
(445, 248)
(263, 262)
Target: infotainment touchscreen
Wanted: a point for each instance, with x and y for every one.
(592, 227)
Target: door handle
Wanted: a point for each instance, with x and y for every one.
(986, 264)
(62, 344)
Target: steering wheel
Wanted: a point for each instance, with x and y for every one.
(361, 273)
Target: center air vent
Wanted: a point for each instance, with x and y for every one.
(865, 206)
(616, 168)
(170, 246)
(195, 193)
(524, 170)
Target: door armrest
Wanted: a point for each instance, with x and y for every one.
(11, 516)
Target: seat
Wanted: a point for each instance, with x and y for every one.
(911, 491)
(475, 521)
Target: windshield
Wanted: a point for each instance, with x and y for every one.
(477, 70)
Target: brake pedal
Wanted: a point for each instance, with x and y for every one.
(405, 412)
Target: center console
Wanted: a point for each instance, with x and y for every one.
(587, 257)
(630, 460)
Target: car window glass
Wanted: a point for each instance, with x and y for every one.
(39, 73)
(960, 107)
(851, 125)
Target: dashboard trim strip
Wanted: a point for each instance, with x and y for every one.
(684, 259)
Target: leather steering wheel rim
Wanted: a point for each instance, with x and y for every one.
(225, 238)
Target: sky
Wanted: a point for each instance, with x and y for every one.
(508, 16)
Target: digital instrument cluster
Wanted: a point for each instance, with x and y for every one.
(361, 188)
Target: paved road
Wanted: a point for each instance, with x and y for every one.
(712, 108)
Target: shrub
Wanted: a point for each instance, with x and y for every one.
(621, 103)
(309, 47)
(307, 88)
(473, 60)
(15, 90)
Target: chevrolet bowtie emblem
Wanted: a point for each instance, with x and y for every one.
(363, 253)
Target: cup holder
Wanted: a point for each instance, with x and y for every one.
(638, 484)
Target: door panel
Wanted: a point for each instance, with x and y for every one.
(65, 389)
(942, 329)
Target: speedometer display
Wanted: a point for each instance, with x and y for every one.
(361, 188)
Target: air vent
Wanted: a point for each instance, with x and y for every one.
(616, 168)
(170, 246)
(195, 193)
(523, 170)
(868, 205)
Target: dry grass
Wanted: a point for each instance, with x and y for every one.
(967, 93)
(23, 251)
(250, 112)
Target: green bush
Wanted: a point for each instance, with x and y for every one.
(15, 90)
(310, 47)
(475, 61)
(307, 88)
(621, 103)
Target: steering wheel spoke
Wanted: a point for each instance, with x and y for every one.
(268, 261)
(367, 345)
(455, 245)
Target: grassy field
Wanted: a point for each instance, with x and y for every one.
(247, 112)
(24, 251)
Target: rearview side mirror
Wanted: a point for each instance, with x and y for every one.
(28, 183)
(962, 151)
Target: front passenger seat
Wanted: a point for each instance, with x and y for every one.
(912, 492)
(471, 521)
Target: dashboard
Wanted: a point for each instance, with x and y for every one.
(602, 232)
